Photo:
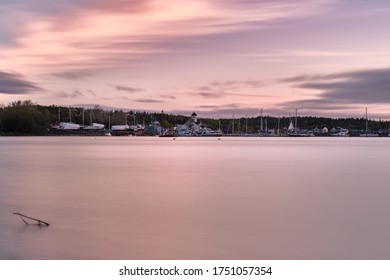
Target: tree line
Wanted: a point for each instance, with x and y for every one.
(28, 118)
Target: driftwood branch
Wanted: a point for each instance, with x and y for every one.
(40, 222)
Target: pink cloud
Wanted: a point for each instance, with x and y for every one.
(85, 32)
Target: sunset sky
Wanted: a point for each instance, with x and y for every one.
(214, 57)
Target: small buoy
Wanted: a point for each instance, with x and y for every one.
(219, 138)
(174, 138)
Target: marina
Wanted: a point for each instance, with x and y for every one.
(195, 127)
(25, 118)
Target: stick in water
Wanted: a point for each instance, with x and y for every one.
(40, 222)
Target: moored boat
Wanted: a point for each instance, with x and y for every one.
(367, 133)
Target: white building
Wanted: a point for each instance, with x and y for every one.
(193, 128)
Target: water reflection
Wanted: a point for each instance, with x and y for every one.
(195, 198)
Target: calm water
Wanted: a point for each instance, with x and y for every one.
(195, 198)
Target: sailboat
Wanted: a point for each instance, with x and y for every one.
(263, 131)
(293, 131)
(92, 126)
(366, 133)
(69, 125)
(108, 133)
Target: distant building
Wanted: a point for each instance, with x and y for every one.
(317, 131)
(194, 117)
(153, 130)
(193, 128)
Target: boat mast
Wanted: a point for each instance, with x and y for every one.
(233, 125)
(261, 121)
(109, 122)
(296, 120)
(246, 124)
(366, 123)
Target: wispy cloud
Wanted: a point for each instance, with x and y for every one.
(46, 36)
(235, 84)
(312, 78)
(149, 100)
(222, 106)
(73, 94)
(282, 55)
(72, 75)
(14, 83)
(91, 92)
(126, 88)
(209, 94)
(167, 96)
(223, 89)
(371, 86)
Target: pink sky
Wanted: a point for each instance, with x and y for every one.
(215, 57)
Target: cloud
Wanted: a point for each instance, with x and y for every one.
(232, 84)
(149, 100)
(128, 89)
(167, 96)
(222, 106)
(311, 78)
(223, 89)
(73, 94)
(340, 90)
(218, 94)
(72, 75)
(222, 94)
(133, 28)
(210, 94)
(91, 92)
(14, 83)
(280, 55)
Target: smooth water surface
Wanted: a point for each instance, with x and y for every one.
(195, 198)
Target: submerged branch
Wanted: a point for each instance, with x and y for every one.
(40, 222)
